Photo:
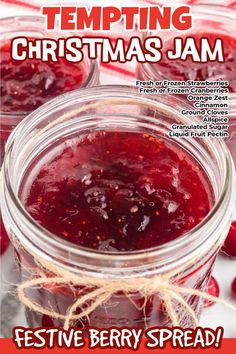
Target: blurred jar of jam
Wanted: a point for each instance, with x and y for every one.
(25, 85)
(107, 109)
(210, 21)
(231, 141)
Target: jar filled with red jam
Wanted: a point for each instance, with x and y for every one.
(94, 186)
(26, 85)
(211, 22)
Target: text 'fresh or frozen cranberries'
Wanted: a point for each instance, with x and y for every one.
(4, 240)
(213, 290)
(229, 246)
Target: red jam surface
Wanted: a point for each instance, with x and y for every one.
(25, 85)
(119, 191)
(188, 70)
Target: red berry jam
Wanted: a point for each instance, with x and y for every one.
(229, 246)
(25, 85)
(213, 290)
(116, 191)
(4, 240)
(119, 191)
(188, 70)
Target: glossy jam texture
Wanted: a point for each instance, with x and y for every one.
(188, 70)
(25, 85)
(119, 191)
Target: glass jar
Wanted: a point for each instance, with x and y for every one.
(231, 141)
(33, 27)
(206, 17)
(107, 108)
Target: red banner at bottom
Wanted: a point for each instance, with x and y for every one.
(228, 346)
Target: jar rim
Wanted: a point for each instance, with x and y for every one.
(222, 11)
(87, 253)
(93, 63)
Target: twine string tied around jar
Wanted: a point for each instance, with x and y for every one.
(96, 291)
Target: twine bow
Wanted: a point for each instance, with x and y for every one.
(97, 291)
